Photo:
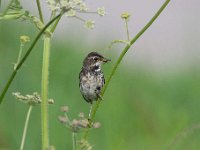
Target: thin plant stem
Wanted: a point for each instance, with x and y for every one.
(53, 14)
(127, 32)
(25, 127)
(55, 24)
(53, 27)
(19, 56)
(117, 41)
(79, 18)
(127, 47)
(89, 116)
(88, 12)
(40, 11)
(44, 93)
(5, 11)
(25, 57)
(74, 140)
(183, 135)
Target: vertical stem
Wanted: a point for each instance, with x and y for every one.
(40, 10)
(25, 127)
(44, 93)
(127, 32)
(19, 56)
(89, 116)
(74, 140)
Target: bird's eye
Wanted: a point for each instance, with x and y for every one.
(95, 58)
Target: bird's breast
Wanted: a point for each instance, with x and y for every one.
(90, 83)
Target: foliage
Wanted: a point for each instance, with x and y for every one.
(125, 102)
(148, 113)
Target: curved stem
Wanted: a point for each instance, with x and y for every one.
(25, 127)
(95, 108)
(25, 57)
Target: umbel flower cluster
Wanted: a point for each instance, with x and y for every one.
(73, 8)
(75, 125)
(32, 99)
(70, 8)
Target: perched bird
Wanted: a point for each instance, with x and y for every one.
(91, 78)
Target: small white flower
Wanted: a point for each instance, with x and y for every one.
(65, 4)
(57, 7)
(64, 108)
(83, 7)
(77, 2)
(81, 115)
(53, 6)
(101, 11)
(50, 2)
(71, 13)
(24, 39)
(96, 125)
(89, 24)
(125, 15)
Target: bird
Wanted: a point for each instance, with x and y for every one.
(91, 77)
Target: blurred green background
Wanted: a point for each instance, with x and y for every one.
(142, 109)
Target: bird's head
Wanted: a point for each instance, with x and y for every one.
(94, 59)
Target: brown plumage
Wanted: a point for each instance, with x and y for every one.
(91, 78)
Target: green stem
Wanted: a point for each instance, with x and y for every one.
(55, 24)
(127, 32)
(95, 108)
(40, 11)
(74, 140)
(19, 56)
(5, 11)
(117, 41)
(44, 93)
(25, 57)
(25, 127)
(79, 18)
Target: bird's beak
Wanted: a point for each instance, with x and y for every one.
(105, 60)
